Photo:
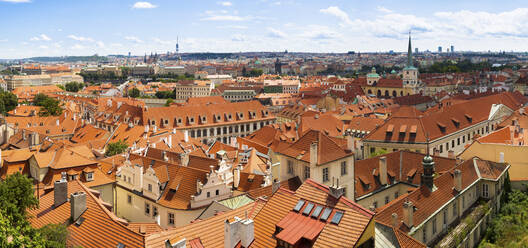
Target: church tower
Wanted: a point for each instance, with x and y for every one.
(428, 171)
(410, 73)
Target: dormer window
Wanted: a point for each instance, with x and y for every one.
(191, 120)
(89, 176)
(218, 118)
(252, 114)
(178, 121)
(203, 119)
(264, 112)
(240, 115)
(166, 122)
(152, 122)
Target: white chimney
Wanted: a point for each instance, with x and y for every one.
(77, 204)
(239, 231)
(408, 212)
(155, 129)
(383, 170)
(57, 122)
(313, 154)
(186, 135)
(395, 220)
(184, 159)
(147, 128)
(236, 177)
(501, 157)
(457, 180)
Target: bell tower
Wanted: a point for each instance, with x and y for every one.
(410, 73)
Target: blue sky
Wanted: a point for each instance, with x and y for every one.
(82, 27)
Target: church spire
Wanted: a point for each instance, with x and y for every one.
(409, 53)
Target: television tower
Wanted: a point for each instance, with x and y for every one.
(177, 45)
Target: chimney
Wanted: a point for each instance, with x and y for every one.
(57, 122)
(77, 204)
(60, 192)
(395, 220)
(335, 190)
(451, 154)
(408, 211)
(236, 177)
(165, 158)
(383, 170)
(146, 128)
(350, 142)
(239, 231)
(313, 154)
(501, 157)
(184, 159)
(24, 134)
(186, 135)
(275, 185)
(155, 129)
(457, 180)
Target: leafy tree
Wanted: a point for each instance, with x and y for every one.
(378, 153)
(73, 86)
(54, 235)
(116, 148)
(135, 93)
(168, 102)
(50, 106)
(8, 101)
(164, 94)
(16, 197)
(255, 72)
(60, 86)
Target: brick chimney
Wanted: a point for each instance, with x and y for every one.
(313, 154)
(60, 192)
(77, 204)
(394, 218)
(408, 212)
(457, 180)
(383, 170)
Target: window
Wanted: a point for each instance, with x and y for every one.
(154, 211)
(434, 225)
(425, 234)
(455, 209)
(386, 199)
(375, 204)
(396, 194)
(208, 194)
(217, 192)
(463, 202)
(147, 209)
(89, 176)
(325, 174)
(171, 219)
(343, 168)
(452, 143)
(150, 187)
(445, 217)
(290, 167)
(447, 146)
(306, 172)
(129, 199)
(458, 141)
(485, 190)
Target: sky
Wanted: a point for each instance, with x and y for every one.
(86, 27)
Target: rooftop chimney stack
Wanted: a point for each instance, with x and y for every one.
(184, 159)
(408, 212)
(501, 157)
(236, 177)
(239, 231)
(186, 135)
(60, 192)
(457, 179)
(335, 190)
(394, 220)
(383, 170)
(313, 154)
(77, 204)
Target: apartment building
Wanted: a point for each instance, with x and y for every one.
(17, 81)
(445, 129)
(198, 88)
(290, 86)
(435, 213)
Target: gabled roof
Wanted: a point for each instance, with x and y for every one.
(100, 228)
(327, 149)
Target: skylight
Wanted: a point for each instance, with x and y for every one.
(326, 214)
(299, 205)
(308, 208)
(317, 211)
(337, 217)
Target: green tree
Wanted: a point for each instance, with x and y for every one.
(164, 94)
(8, 101)
(73, 86)
(168, 102)
(54, 235)
(378, 153)
(60, 86)
(16, 196)
(135, 93)
(116, 148)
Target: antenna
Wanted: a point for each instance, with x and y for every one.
(427, 140)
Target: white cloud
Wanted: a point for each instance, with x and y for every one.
(41, 37)
(163, 42)
(238, 37)
(16, 1)
(274, 33)
(80, 38)
(3, 40)
(144, 5)
(78, 47)
(43, 47)
(134, 39)
(226, 3)
(100, 44)
(383, 9)
(319, 32)
(337, 12)
(234, 27)
(223, 18)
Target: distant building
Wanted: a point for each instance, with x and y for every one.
(439, 49)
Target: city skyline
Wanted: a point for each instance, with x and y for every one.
(59, 28)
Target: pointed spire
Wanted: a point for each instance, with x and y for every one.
(409, 52)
